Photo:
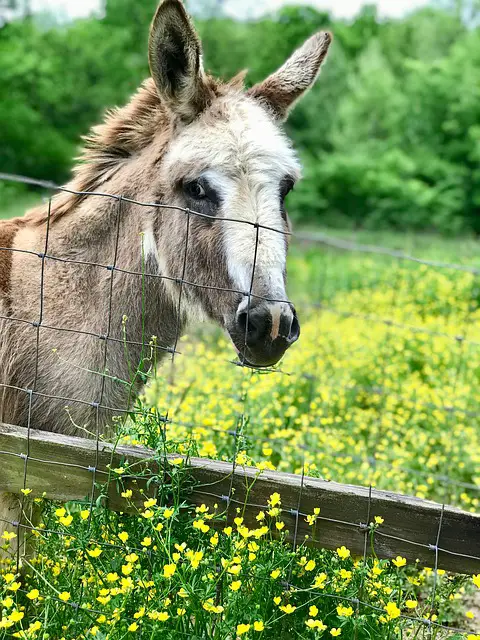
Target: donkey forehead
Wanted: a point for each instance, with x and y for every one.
(235, 136)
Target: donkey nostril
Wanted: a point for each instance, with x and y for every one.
(242, 319)
(294, 329)
(252, 325)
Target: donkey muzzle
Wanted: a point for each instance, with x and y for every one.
(263, 331)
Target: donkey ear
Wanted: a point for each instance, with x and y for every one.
(175, 57)
(283, 88)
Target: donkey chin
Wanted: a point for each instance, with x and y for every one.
(261, 333)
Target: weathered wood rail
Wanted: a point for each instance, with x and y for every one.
(63, 468)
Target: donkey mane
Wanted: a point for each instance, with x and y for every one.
(124, 132)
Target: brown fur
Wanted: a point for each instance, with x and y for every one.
(125, 132)
(8, 229)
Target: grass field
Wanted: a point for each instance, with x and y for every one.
(365, 396)
(12, 206)
(379, 390)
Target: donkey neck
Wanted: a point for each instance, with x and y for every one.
(133, 301)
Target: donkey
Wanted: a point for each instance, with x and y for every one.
(91, 273)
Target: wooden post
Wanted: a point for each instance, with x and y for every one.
(64, 468)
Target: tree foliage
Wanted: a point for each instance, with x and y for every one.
(390, 135)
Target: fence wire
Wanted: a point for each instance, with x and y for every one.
(241, 435)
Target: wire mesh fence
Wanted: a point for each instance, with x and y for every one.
(245, 417)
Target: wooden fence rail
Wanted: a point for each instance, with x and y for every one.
(62, 468)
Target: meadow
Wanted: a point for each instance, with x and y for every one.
(382, 389)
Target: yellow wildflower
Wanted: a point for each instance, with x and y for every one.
(234, 569)
(392, 610)
(169, 570)
(399, 561)
(315, 624)
(16, 616)
(242, 629)
(319, 582)
(200, 524)
(288, 608)
(9, 535)
(211, 608)
(274, 500)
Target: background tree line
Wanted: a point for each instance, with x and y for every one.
(390, 135)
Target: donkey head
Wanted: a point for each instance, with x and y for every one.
(228, 162)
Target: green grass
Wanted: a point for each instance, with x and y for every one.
(16, 206)
(426, 245)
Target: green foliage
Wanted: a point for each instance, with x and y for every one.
(389, 135)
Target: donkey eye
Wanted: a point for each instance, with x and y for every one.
(195, 190)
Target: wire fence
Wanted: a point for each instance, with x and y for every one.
(33, 391)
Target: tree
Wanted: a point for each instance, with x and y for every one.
(389, 135)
